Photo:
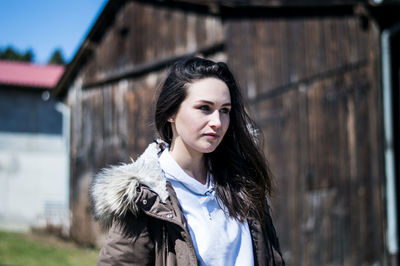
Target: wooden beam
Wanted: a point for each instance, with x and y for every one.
(142, 69)
(274, 92)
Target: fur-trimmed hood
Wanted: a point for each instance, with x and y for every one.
(114, 190)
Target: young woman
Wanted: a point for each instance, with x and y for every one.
(198, 196)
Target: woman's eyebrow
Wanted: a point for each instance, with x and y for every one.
(212, 103)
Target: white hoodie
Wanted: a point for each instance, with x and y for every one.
(218, 239)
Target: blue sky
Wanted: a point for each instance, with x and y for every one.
(44, 25)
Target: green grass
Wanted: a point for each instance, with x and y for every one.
(25, 249)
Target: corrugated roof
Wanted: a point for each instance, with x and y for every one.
(30, 75)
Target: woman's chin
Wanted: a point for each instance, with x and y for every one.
(208, 147)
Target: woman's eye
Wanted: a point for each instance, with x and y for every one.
(225, 110)
(204, 108)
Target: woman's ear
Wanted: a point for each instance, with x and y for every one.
(171, 120)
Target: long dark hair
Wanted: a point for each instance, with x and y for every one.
(241, 175)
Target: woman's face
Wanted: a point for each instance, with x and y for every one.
(203, 117)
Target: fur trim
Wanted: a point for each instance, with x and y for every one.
(113, 190)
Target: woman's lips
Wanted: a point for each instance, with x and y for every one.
(212, 135)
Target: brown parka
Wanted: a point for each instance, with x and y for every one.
(147, 223)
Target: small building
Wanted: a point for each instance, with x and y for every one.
(33, 151)
(322, 82)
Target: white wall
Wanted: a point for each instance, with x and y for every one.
(33, 181)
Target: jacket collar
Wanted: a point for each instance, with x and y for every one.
(115, 189)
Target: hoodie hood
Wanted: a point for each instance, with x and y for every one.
(114, 190)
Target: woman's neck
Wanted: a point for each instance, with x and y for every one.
(192, 162)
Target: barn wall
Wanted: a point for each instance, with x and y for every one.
(143, 33)
(113, 122)
(312, 84)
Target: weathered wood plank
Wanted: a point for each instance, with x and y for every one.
(313, 102)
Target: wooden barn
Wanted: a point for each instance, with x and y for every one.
(321, 79)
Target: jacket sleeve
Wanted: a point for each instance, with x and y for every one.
(128, 243)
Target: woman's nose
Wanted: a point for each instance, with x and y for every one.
(215, 119)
